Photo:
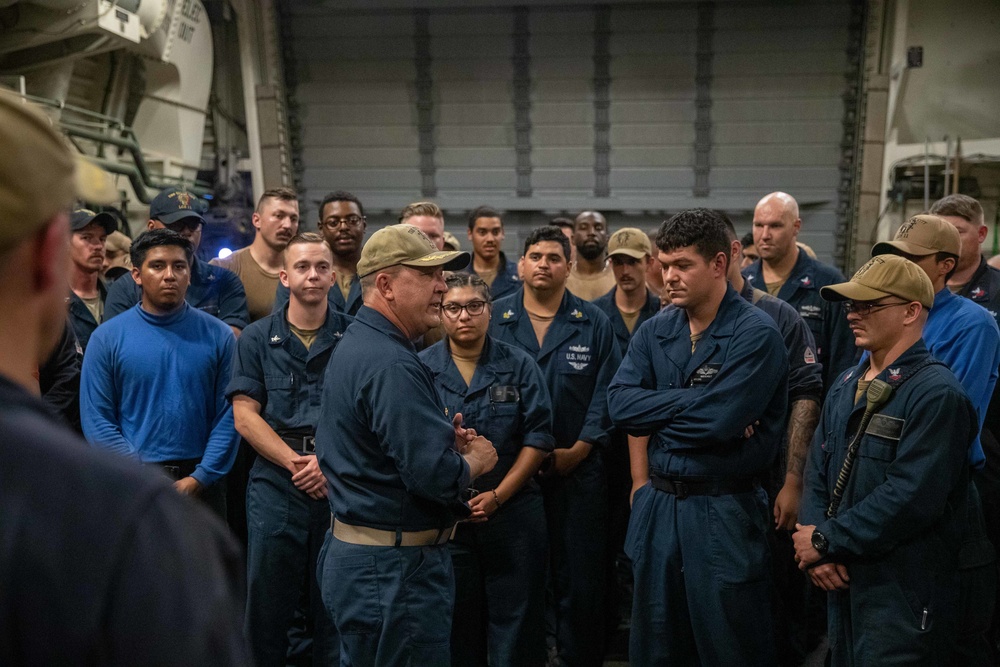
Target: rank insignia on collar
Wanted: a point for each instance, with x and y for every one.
(576, 313)
(509, 314)
(895, 374)
(275, 338)
(806, 281)
(446, 413)
(848, 376)
(977, 292)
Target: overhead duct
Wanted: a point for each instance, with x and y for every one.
(40, 33)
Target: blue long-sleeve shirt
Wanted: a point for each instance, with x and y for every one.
(153, 388)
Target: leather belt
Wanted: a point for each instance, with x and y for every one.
(373, 537)
(683, 487)
(305, 444)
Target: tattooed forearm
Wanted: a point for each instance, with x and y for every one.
(801, 425)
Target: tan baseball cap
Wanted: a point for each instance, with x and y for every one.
(40, 173)
(451, 241)
(631, 242)
(882, 276)
(922, 235)
(406, 245)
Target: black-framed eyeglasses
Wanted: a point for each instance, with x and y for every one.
(454, 310)
(866, 308)
(333, 221)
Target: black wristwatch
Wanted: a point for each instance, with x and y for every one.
(819, 542)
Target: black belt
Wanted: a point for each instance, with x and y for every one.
(178, 469)
(684, 487)
(306, 444)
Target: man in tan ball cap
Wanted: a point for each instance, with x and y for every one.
(396, 462)
(887, 482)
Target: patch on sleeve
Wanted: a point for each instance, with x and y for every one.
(886, 427)
(809, 357)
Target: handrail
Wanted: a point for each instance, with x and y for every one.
(138, 173)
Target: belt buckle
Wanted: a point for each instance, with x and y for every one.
(681, 490)
(309, 444)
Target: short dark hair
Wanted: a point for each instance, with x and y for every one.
(282, 194)
(702, 228)
(548, 233)
(962, 206)
(747, 240)
(561, 223)
(483, 212)
(340, 195)
(729, 226)
(156, 238)
(459, 279)
(941, 256)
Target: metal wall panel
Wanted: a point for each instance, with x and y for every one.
(777, 109)
(356, 102)
(562, 103)
(746, 94)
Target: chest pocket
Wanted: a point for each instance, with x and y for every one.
(280, 394)
(812, 314)
(704, 374)
(882, 438)
(576, 359)
(498, 418)
(278, 382)
(504, 400)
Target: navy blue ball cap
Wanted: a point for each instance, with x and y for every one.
(82, 217)
(173, 205)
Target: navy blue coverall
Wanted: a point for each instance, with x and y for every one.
(834, 340)
(701, 562)
(578, 357)
(506, 282)
(286, 527)
(335, 298)
(607, 305)
(499, 565)
(387, 446)
(899, 526)
(792, 590)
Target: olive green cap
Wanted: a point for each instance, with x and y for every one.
(40, 173)
(631, 242)
(882, 276)
(406, 245)
(922, 235)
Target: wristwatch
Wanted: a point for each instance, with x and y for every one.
(819, 542)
